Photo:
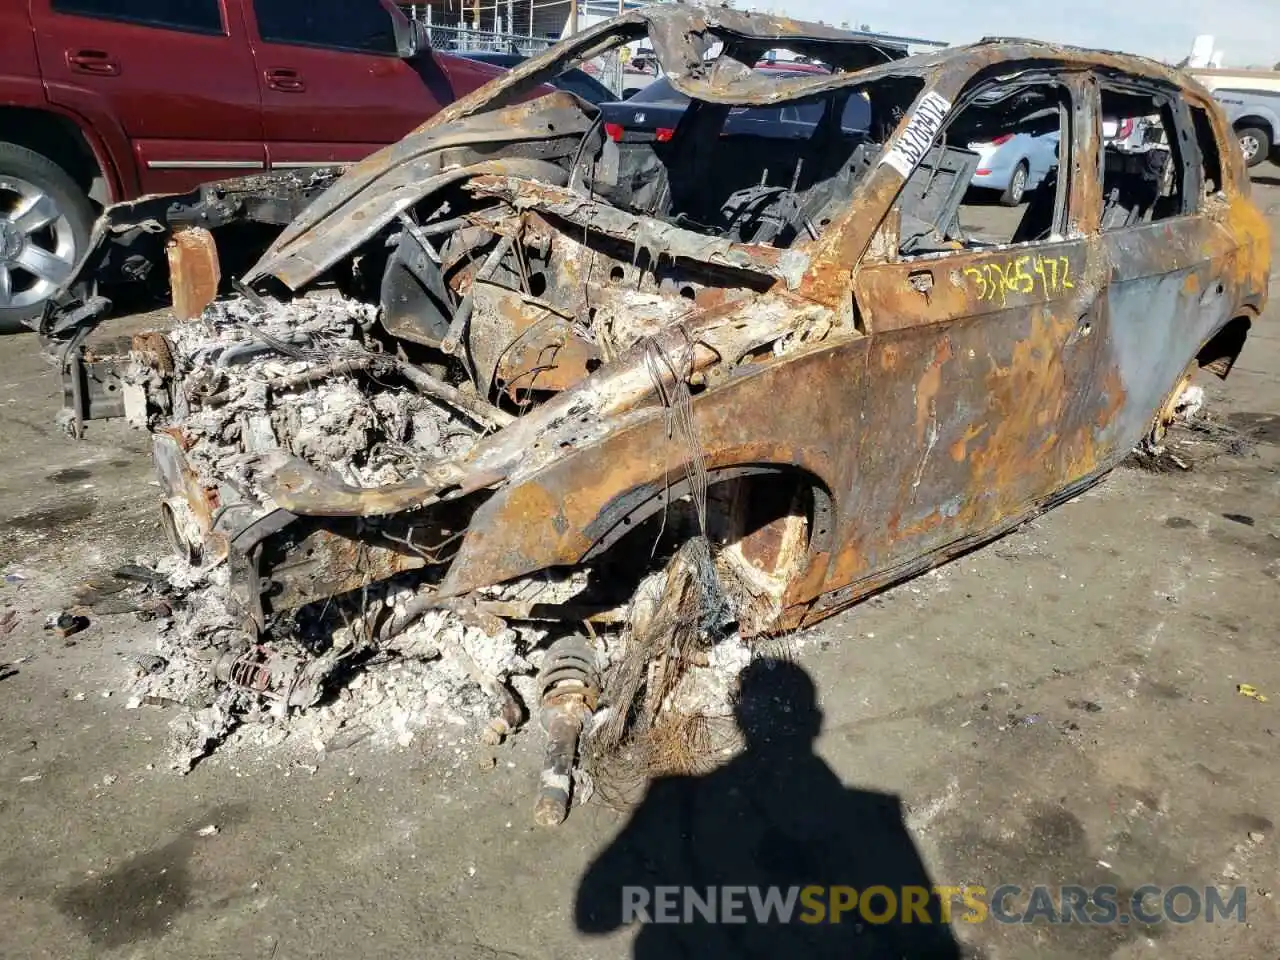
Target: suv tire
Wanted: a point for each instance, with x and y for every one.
(1260, 141)
(44, 218)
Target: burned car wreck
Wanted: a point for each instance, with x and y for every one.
(638, 395)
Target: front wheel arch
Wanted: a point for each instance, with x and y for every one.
(770, 528)
(627, 511)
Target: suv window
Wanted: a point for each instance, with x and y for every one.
(194, 16)
(992, 176)
(361, 26)
(1144, 174)
(1210, 158)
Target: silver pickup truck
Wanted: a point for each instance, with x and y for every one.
(1255, 116)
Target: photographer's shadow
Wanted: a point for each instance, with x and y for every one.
(776, 816)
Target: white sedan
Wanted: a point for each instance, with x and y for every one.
(1014, 164)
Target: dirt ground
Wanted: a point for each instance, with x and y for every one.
(1059, 707)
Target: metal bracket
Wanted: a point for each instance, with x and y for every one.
(91, 389)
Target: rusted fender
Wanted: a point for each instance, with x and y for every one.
(555, 516)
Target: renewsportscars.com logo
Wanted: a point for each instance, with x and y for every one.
(1146, 905)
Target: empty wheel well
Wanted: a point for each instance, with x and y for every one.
(54, 137)
(1219, 353)
(762, 490)
(765, 523)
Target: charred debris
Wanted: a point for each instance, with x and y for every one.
(501, 289)
(471, 421)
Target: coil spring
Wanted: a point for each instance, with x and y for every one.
(250, 673)
(570, 662)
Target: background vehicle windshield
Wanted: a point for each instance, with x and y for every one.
(660, 91)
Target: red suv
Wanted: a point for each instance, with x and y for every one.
(121, 98)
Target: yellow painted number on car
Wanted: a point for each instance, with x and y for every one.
(1027, 275)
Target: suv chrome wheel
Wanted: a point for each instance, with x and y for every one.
(1250, 146)
(37, 245)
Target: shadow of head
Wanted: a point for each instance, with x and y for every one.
(776, 705)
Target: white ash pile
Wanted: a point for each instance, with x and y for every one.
(298, 377)
(438, 674)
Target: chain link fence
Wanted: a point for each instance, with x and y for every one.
(462, 39)
(468, 40)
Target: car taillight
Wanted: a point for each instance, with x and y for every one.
(982, 173)
(664, 134)
(613, 131)
(1003, 138)
(1126, 128)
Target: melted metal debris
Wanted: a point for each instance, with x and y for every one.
(421, 682)
(255, 366)
(333, 675)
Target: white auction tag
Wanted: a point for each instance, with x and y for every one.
(919, 134)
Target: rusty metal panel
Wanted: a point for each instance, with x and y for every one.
(978, 283)
(524, 345)
(328, 563)
(194, 271)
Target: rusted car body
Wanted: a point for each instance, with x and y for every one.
(800, 339)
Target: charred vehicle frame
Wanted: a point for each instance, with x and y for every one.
(795, 350)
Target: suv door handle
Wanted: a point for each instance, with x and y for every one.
(97, 62)
(286, 81)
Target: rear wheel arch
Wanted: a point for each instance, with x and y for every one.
(1267, 124)
(1219, 353)
(62, 141)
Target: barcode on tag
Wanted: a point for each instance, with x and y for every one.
(921, 129)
